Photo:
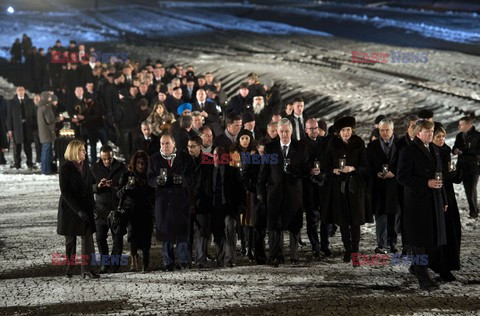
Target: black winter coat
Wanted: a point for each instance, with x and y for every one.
(106, 198)
(172, 209)
(347, 201)
(138, 201)
(384, 192)
(469, 159)
(76, 195)
(423, 219)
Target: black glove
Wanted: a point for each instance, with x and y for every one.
(161, 181)
(83, 216)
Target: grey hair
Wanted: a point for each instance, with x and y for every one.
(145, 123)
(387, 121)
(408, 119)
(284, 121)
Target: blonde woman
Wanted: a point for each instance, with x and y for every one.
(75, 208)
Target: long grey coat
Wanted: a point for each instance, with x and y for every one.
(46, 122)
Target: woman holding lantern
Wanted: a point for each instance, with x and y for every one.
(346, 203)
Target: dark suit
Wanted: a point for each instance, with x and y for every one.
(293, 120)
(238, 105)
(283, 194)
(22, 121)
(150, 146)
(213, 119)
(222, 141)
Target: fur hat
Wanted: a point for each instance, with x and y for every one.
(346, 121)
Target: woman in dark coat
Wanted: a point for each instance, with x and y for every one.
(137, 199)
(76, 205)
(449, 255)
(346, 203)
(245, 145)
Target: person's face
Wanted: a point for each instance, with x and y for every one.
(464, 126)
(21, 92)
(207, 138)
(177, 94)
(258, 101)
(143, 88)
(140, 165)
(156, 72)
(82, 153)
(298, 108)
(272, 131)
(107, 158)
(235, 127)
(311, 128)
(439, 139)
(146, 130)
(261, 149)
(250, 125)
(89, 86)
(250, 81)
(36, 98)
(162, 96)
(386, 131)
(244, 141)
(411, 129)
(201, 82)
(426, 135)
(201, 95)
(197, 121)
(167, 144)
(243, 92)
(209, 78)
(289, 109)
(159, 110)
(193, 148)
(190, 84)
(276, 118)
(346, 133)
(79, 92)
(133, 91)
(187, 112)
(285, 133)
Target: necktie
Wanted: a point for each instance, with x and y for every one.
(169, 162)
(22, 108)
(218, 188)
(201, 105)
(299, 124)
(284, 150)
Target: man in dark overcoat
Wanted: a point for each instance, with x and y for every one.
(382, 155)
(21, 119)
(280, 186)
(172, 209)
(424, 199)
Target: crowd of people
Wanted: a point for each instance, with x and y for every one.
(199, 166)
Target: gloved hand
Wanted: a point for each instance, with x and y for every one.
(83, 216)
(161, 181)
(129, 186)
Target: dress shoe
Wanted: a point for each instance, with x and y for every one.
(90, 274)
(184, 266)
(302, 243)
(68, 275)
(448, 277)
(380, 251)
(428, 285)
(104, 269)
(393, 249)
(294, 262)
(229, 264)
(347, 256)
(168, 268)
(412, 269)
(316, 254)
(273, 263)
(327, 252)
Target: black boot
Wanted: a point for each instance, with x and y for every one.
(426, 283)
